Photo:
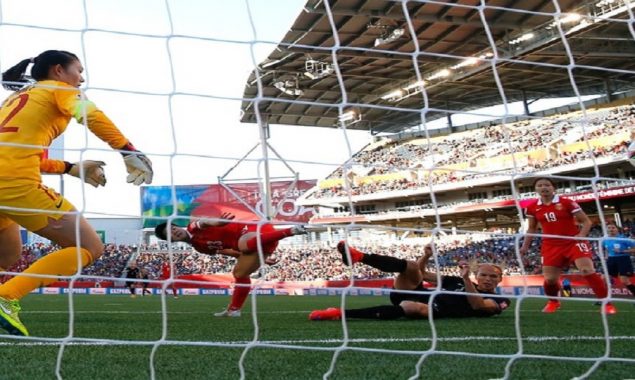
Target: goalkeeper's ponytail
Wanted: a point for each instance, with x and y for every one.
(16, 76)
(40, 70)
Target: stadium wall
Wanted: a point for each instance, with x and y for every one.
(221, 285)
(118, 231)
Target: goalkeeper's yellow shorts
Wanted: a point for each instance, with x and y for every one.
(31, 206)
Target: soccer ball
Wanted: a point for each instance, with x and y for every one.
(631, 153)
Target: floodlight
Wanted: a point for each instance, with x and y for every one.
(289, 87)
(317, 70)
(390, 37)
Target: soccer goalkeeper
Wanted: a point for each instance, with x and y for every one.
(480, 300)
(30, 118)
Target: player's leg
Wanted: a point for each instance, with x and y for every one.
(76, 253)
(382, 262)
(266, 235)
(595, 281)
(553, 258)
(625, 271)
(245, 266)
(582, 256)
(551, 286)
(11, 249)
(10, 242)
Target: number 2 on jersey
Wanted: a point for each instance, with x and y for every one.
(22, 99)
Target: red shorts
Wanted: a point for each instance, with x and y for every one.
(269, 248)
(561, 255)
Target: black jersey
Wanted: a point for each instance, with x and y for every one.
(132, 273)
(449, 305)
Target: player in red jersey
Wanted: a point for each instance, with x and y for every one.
(166, 273)
(562, 217)
(239, 240)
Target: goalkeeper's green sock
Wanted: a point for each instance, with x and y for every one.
(59, 263)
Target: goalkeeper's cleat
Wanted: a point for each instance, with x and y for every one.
(228, 313)
(356, 256)
(609, 309)
(551, 307)
(330, 314)
(9, 319)
(298, 230)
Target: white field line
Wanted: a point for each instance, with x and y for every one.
(595, 310)
(96, 342)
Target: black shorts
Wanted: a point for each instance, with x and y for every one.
(396, 297)
(619, 266)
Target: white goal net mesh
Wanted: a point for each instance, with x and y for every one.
(440, 114)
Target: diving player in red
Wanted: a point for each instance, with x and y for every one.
(233, 239)
(562, 217)
(166, 273)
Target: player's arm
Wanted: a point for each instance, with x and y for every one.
(93, 172)
(583, 221)
(229, 252)
(71, 103)
(476, 301)
(225, 219)
(631, 247)
(423, 263)
(532, 227)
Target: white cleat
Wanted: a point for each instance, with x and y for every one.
(228, 313)
(298, 230)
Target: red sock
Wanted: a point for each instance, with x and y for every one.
(597, 284)
(551, 288)
(174, 290)
(240, 293)
(268, 237)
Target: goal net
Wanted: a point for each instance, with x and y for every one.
(433, 120)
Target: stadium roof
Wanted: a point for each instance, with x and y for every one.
(375, 54)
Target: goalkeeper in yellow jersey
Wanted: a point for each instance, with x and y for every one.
(36, 113)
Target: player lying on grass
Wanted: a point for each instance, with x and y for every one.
(419, 302)
(239, 240)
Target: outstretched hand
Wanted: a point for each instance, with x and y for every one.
(93, 172)
(428, 251)
(465, 269)
(226, 217)
(138, 166)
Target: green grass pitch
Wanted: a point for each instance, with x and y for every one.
(283, 344)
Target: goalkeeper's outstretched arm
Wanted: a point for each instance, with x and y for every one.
(91, 172)
(138, 166)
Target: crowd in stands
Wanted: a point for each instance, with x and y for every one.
(319, 261)
(467, 147)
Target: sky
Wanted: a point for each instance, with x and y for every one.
(210, 53)
(141, 57)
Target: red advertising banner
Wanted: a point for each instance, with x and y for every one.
(241, 199)
(587, 196)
